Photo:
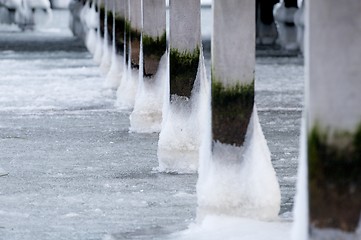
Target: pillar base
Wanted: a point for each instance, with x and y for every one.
(287, 32)
(239, 181)
(115, 73)
(147, 114)
(127, 89)
(178, 144)
(332, 234)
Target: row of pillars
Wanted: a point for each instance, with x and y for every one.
(229, 135)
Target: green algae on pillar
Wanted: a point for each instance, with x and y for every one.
(120, 24)
(233, 61)
(185, 43)
(334, 178)
(232, 108)
(178, 145)
(101, 8)
(235, 175)
(153, 35)
(334, 118)
(134, 31)
(183, 71)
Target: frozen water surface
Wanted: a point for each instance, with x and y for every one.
(75, 171)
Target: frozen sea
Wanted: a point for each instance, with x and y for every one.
(75, 171)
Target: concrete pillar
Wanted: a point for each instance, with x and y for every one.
(117, 28)
(135, 31)
(120, 24)
(179, 137)
(154, 35)
(75, 24)
(128, 86)
(147, 112)
(299, 19)
(236, 176)
(266, 31)
(284, 16)
(98, 53)
(185, 43)
(333, 63)
(106, 57)
(232, 71)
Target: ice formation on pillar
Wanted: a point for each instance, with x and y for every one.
(24, 16)
(334, 119)
(116, 68)
(238, 181)
(106, 57)
(147, 113)
(129, 83)
(178, 144)
(236, 176)
(299, 20)
(284, 15)
(99, 41)
(92, 23)
(300, 210)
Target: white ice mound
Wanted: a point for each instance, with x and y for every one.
(300, 224)
(106, 60)
(128, 88)
(91, 40)
(179, 139)
(92, 18)
(178, 144)
(231, 228)
(147, 114)
(98, 53)
(115, 73)
(239, 181)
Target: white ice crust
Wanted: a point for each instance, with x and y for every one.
(147, 113)
(127, 88)
(231, 228)
(238, 181)
(300, 224)
(107, 56)
(179, 139)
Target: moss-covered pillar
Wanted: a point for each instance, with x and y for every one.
(120, 24)
(147, 112)
(333, 61)
(185, 43)
(287, 33)
(135, 31)
(116, 14)
(236, 176)
(128, 86)
(232, 72)
(154, 35)
(179, 137)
